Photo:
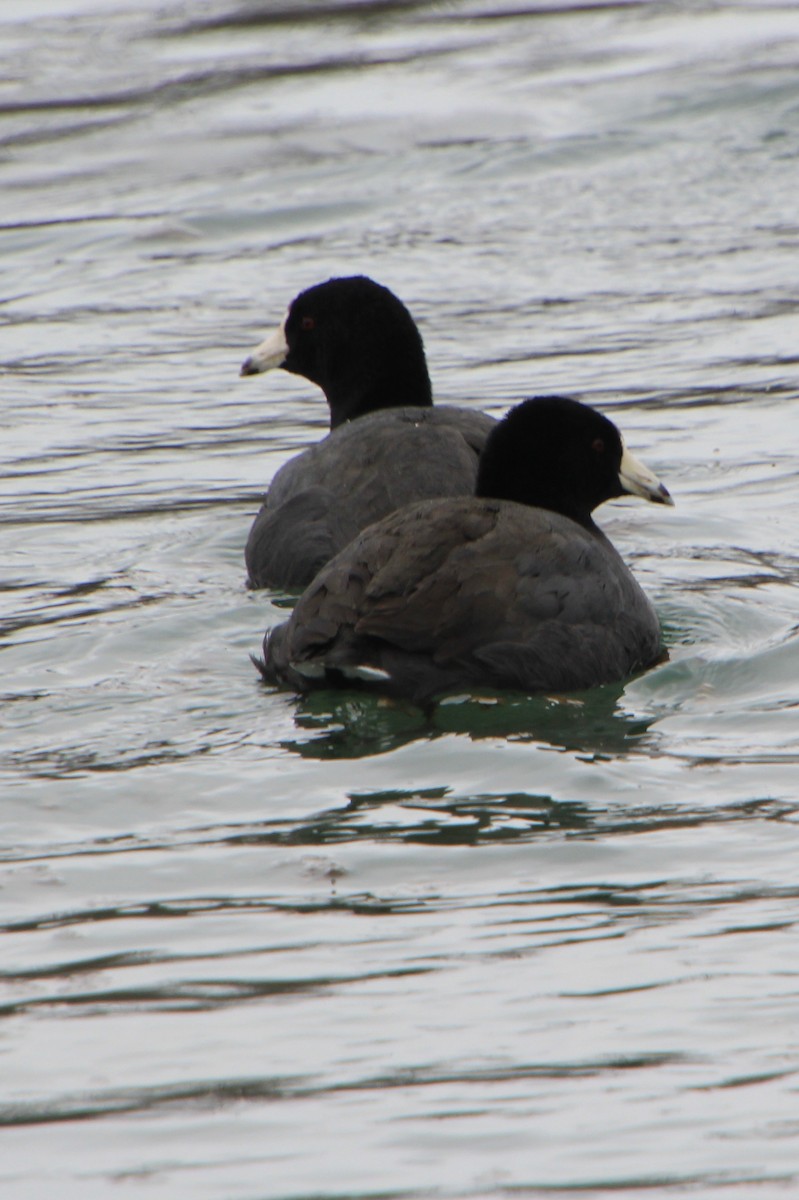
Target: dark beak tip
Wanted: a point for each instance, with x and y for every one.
(247, 368)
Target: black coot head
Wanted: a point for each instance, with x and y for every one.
(357, 341)
(554, 452)
(335, 324)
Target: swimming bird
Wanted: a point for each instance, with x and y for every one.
(388, 445)
(514, 587)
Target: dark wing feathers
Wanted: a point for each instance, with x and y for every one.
(294, 541)
(464, 592)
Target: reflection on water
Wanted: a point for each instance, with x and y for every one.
(433, 816)
(353, 723)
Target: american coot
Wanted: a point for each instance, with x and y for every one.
(359, 343)
(514, 587)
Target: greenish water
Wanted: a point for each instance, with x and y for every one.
(253, 946)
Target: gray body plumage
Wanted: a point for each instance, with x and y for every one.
(363, 470)
(467, 593)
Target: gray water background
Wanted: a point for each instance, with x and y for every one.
(257, 948)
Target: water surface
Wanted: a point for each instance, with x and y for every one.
(260, 947)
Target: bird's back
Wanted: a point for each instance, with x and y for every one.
(356, 475)
(466, 592)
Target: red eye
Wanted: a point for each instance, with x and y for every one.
(598, 446)
(307, 322)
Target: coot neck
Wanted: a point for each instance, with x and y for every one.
(398, 386)
(492, 484)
